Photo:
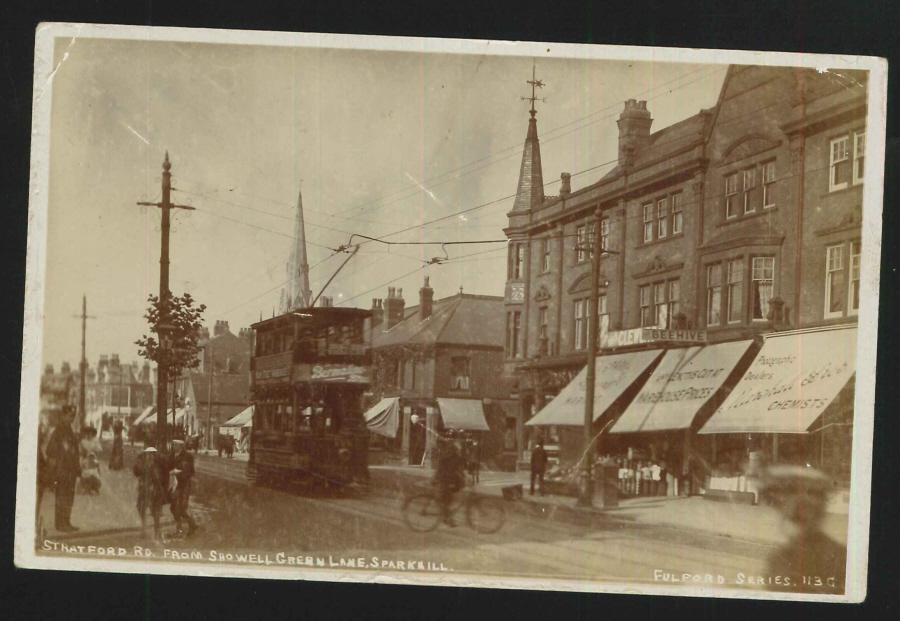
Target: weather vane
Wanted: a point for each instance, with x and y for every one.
(535, 83)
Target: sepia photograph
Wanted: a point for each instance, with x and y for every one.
(451, 312)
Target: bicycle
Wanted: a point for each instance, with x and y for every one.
(484, 514)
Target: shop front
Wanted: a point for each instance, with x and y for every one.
(793, 405)
(404, 429)
(656, 429)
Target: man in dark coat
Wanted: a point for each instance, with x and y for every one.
(64, 464)
(182, 466)
(538, 466)
(449, 475)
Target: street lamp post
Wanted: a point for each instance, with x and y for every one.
(586, 498)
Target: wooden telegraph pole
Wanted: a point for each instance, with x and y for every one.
(164, 327)
(79, 421)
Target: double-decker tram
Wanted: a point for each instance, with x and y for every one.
(309, 373)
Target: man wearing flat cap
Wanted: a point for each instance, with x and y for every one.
(182, 466)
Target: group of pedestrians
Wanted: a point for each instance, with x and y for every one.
(64, 459)
(165, 480)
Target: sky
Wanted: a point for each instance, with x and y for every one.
(378, 142)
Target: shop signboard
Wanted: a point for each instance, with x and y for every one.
(789, 384)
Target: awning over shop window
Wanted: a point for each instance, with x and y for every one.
(790, 383)
(147, 412)
(244, 419)
(463, 414)
(384, 418)
(682, 383)
(614, 375)
(179, 417)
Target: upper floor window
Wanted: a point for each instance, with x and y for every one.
(847, 160)
(583, 317)
(659, 303)
(768, 184)
(586, 235)
(545, 254)
(604, 233)
(842, 280)
(459, 373)
(516, 268)
(677, 223)
(647, 318)
(762, 285)
(749, 176)
(543, 326)
(513, 328)
(580, 243)
(657, 216)
(714, 294)
(735, 290)
(731, 196)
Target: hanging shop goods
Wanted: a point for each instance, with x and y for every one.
(309, 373)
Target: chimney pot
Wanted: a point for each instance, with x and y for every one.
(565, 187)
(426, 301)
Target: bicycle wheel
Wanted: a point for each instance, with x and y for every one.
(485, 515)
(422, 513)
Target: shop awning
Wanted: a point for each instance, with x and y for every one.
(682, 383)
(179, 417)
(244, 419)
(790, 383)
(614, 375)
(384, 418)
(463, 414)
(147, 412)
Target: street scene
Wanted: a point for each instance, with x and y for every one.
(626, 355)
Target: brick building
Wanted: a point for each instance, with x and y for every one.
(441, 361)
(741, 220)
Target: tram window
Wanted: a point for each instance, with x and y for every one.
(279, 417)
(289, 423)
(303, 419)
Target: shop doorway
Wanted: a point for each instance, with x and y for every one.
(417, 438)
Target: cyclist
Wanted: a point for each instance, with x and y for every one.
(449, 475)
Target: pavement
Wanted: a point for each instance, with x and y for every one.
(752, 523)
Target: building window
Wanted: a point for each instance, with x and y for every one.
(731, 197)
(513, 327)
(580, 243)
(735, 290)
(855, 258)
(579, 324)
(659, 298)
(543, 326)
(749, 183)
(545, 255)
(674, 297)
(714, 295)
(647, 319)
(459, 373)
(648, 222)
(677, 224)
(762, 285)
(604, 233)
(839, 173)
(662, 219)
(842, 280)
(834, 281)
(768, 184)
(520, 261)
(859, 156)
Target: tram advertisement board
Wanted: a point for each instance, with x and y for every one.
(269, 370)
(335, 372)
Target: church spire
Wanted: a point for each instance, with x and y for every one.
(297, 293)
(530, 191)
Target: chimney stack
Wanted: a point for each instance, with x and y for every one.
(393, 308)
(48, 370)
(634, 131)
(221, 328)
(66, 369)
(565, 187)
(426, 301)
(245, 333)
